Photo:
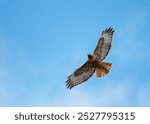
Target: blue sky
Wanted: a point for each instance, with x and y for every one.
(43, 41)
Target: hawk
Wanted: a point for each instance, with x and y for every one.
(94, 62)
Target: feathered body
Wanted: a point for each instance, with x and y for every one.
(94, 62)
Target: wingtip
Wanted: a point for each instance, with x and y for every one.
(70, 88)
(69, 85)
(109, 30)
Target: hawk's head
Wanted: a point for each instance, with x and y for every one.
(90, 58)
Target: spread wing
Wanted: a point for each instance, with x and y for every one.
(80, 75)
(104, 44)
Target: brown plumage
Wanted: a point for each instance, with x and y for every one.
(94, 62)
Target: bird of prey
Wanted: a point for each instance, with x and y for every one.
(94, 62)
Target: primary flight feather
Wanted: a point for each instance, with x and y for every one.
(94, 62)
